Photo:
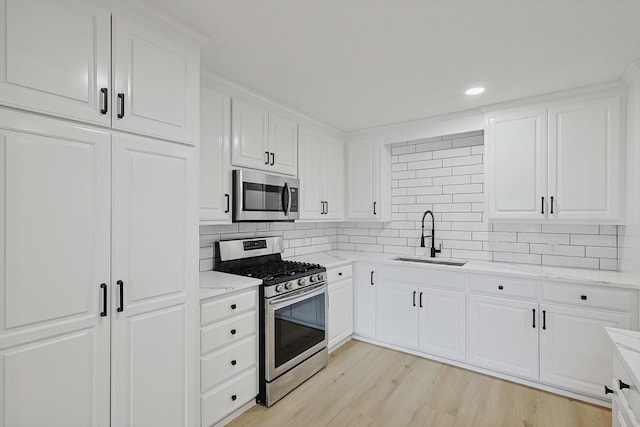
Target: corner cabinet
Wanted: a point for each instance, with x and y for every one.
(76, 49)
(368, 180)
(215, 157)
(321, 174)
(555, 163)
(262, 139)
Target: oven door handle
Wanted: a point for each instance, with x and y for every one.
(277, 303)
(286, 198)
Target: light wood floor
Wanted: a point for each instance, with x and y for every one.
(367, 385)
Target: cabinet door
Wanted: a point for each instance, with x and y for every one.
(362, 175)
(501, 335)
(154, 265)
(156, 83)
(584, 160)
(397, 314)
(283, 144)
(54, 257)
(55, 58)
(575, 352)
(311, 174)
(516, 165)
(250, 135)
(442, 322)
(365, 300)
(340, 311)
(334, 178)
(215, 160)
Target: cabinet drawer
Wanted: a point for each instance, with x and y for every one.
(226, 306)
(225, 400)
(505, 287)
(228, 331)
(587, 296)
(224, 364)
(339, 273)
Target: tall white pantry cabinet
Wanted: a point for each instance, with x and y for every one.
(98, 217)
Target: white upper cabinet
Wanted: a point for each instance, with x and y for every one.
(368, 180)
(262, 139)
(55, 58)
(555, 164)
(321, 174)
(215, 156)
(60, 57)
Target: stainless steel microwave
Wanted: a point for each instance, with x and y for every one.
(259, 196)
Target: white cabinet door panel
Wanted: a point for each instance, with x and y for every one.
(159, 79)
(311, 174)
(334, 178)
(397, 314)
(215, 160)
(154, 255)
(575, 351)
(54, 216)
(250, 140)
(340, 311)
(55, 58)
(362, 158)
(365, 300)
(442, 322)
(502, 336)
(516, 173)
(584, 161)
(283, 143)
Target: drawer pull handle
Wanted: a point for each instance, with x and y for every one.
(500, 287)
(622, 385)
(607, 390)
(583, 297)
(233, 306)
(234, 397)
(340, 274)
(234, 363)
(534, 317)
(233, 332)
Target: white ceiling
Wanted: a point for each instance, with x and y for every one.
(355, 64)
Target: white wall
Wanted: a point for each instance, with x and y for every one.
(630, 233)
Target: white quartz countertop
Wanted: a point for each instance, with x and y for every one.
(333, 259)
(213, 283)
(628, 345)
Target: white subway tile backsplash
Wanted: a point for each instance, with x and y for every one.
(461, 161)
(543, 238)
(589, 240)
(602, 252)
(454, 152)
(566, 261)
(432, 146)
(517, 258)
(425, 164)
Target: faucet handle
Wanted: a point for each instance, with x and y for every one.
(439, 248)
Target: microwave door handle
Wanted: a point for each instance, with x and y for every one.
(286, 198)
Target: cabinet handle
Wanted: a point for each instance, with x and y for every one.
(372, 278)
(266, 162)
(233, 332)
(374, 208)
(420, 299)
(544, 319)
(120, 283)
(542, 210)
(227, 197)
(234, 397)
(233, 306)
(273, 159)
(414, 298)
(121, 99)
(340, 274)
(534, 318)
(500, 287)
(233, 362)
(321, 208)
(104, 300)
(327, 207)
(607, 390)
(583, 297)
(622, 385)
(551, 212)
(105, 100)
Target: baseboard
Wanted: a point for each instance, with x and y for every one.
(235, 414)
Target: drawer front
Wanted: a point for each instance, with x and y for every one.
(227, 399)
(228, 331)
(504, 287)
(229, 305)
(587, 296)
(422, 276)
(218, 367)
(336, 274)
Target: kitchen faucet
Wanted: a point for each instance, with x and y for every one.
(434, 251)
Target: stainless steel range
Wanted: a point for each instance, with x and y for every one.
(293, 312)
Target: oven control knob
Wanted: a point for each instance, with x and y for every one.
(279, 288)
(312, 279)
(288, 285)
(302, 282)
(320, 277)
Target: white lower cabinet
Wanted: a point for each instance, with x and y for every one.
(625, 411)
(340, 304)
(397, 314)
(364, 287)
(229, 354)
(442, 322)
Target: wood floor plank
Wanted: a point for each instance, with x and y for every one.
(370, 386)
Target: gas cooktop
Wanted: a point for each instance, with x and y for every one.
(277, 270)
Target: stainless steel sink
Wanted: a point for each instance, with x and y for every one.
(431, 261)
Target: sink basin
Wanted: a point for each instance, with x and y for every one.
(431, 261)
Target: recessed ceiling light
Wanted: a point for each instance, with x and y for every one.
(474, 91)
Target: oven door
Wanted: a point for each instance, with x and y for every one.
(296, 328)
(263, 197)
